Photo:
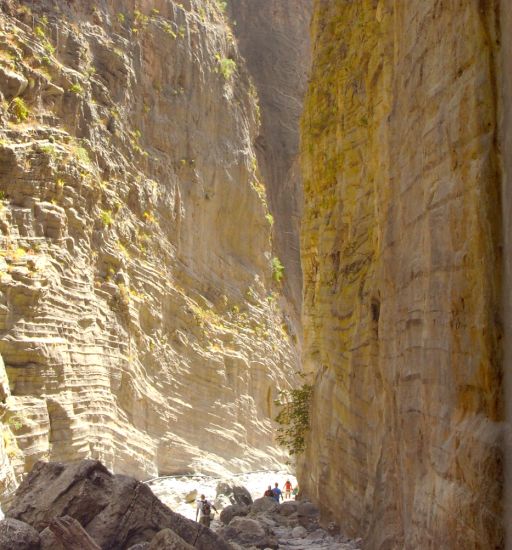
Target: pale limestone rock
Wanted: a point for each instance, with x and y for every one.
(11, 423)
(191, 496)
(133, 235)
(12, 83)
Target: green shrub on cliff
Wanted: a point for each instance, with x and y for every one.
(293, 417)
(277, 269)
(222, 5)
(106, 218)
(19, 109)
(76, 89)
(227, 66)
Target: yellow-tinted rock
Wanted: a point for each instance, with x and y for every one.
(401, 270)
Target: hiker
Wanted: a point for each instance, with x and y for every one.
(295, 492)
(277, 493)
(288, 490)
(204, 510)
(268, 492)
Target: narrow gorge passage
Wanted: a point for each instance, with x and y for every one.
(255, 236)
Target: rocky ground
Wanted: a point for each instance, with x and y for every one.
(248, 520)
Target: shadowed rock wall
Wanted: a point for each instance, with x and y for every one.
(137, 320)
(273, 36)
(505, 74)
(402, 272)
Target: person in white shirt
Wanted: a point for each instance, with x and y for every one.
(204, 511)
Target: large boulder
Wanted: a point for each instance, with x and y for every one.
(17, 535)
(169, 540)
(288, 507)
(116, 511)
(232, 511)
(236, 493)
(264, 504)
(249, 532)
(66, 534)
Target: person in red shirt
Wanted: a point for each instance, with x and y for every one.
(288, 489)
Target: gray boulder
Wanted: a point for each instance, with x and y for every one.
(264, 504)
(17, 535)
(236, 493)
(232, 511)
(169, 540)
(249, 532)
(288, 507)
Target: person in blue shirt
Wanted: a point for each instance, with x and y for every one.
(277, 493)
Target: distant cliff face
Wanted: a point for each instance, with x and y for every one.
(274, 39)
(401, 262)
(139, 319)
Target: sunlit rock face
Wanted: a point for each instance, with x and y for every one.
(139, 320)
(273, 36)
(401, 262)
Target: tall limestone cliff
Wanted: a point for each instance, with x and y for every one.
(273, 36)
(401, 262)
(140, 323)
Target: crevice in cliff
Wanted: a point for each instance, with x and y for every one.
(273, 36)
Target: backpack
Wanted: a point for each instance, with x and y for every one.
(206, 508)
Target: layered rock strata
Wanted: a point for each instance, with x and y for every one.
(139, 320)
(273, 36)
(401, 261)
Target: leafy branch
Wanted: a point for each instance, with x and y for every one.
(293, 417)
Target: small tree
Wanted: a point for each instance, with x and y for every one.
(294, 417)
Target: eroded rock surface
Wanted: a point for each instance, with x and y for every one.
(17, 535)
(138, 315)
(401, 258)
(66, 533)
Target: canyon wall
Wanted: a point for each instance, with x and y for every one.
(273, 36)
(140, 323)
(401, 251)
(505, 135)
